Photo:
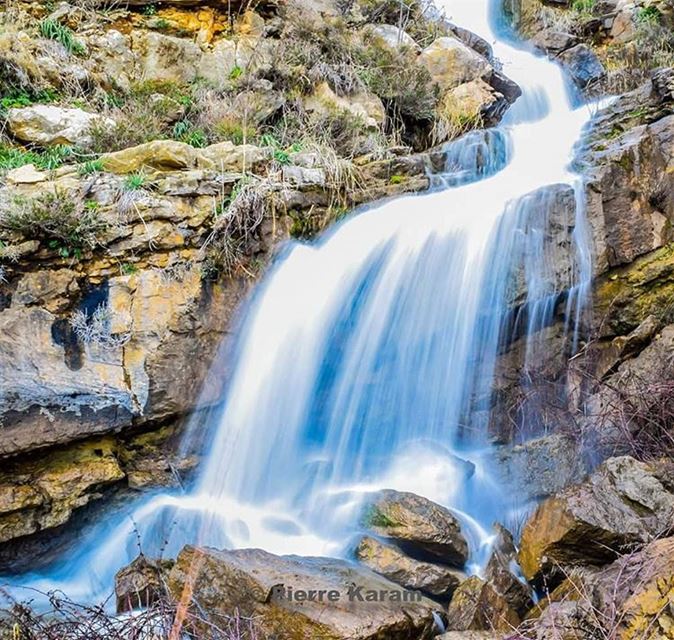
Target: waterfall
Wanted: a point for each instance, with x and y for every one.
(360, 356)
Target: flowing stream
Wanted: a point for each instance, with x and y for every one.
(361, 356)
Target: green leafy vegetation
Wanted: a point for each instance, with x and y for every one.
(583, 6)
(54, 30)
(135, 182)
(12, 157)
(90, 167)
(648, 14)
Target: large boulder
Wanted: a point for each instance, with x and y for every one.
(451, 63)
(631, 598)
(540, 467)
(624, 503)
(49, 125)
(423, 529)
(141, 584)
(160, 155)
(294, 597)
(389, 561)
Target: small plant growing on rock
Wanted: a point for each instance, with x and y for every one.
(54, 30)
(90, 167)
(96, 329)
(135, 182)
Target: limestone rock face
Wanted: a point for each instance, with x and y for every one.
(624, 503)
(630, 201)
(388, 561)
(420, 527)
(50, 125)
(259, 584)
(43, 495)
(166, 58)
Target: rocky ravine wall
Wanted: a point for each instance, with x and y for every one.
(136, 212)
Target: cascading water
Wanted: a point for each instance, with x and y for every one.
(361, 356)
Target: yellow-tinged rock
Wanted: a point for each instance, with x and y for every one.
(161, 155)
(364, 105)
(250, 24)
(27, 174)
(451, 63)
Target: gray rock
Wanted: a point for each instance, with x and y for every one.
(540, 467)
(554, 42)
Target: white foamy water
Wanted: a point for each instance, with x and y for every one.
(360, 356)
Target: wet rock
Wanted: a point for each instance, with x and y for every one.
(50, 125)
(42, 494)
(451, 63)
(583, 65)
(141, 584)
(540, 467)
(423, 529)
(623, 504)
(554, 42)
(295, 597)
(388, 561)
(500, 573)
(476, 606)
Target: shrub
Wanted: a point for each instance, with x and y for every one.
(58, 217)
